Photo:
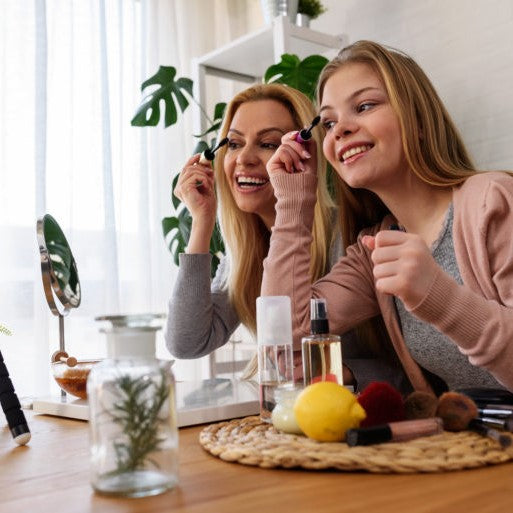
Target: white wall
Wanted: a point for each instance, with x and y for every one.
(465, 47)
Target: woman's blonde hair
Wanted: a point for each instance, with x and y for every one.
(432, 145)
(245, 235)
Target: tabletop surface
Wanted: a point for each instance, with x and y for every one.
(51, 474)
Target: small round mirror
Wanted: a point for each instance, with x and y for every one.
(58, 267)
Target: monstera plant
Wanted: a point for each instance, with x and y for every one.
(176, 94)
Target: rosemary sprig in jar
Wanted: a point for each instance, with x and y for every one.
(137, 414)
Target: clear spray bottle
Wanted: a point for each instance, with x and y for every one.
(322, 351)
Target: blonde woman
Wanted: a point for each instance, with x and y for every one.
(203, 315)
(435, 257)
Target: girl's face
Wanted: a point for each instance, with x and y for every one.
(254, 134)
(363, 135)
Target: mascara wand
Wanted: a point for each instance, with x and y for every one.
(12, 407)
(306, 133)
(209, 154)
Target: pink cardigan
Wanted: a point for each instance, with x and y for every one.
(477, 316)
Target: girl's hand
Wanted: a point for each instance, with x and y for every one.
(403, 265)
(293, 157)
(195, 187)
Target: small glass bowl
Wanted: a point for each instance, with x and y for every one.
(73, 380)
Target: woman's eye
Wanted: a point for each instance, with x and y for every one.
(328, 125)
(365, 106)
(270, 145)
(232, 145)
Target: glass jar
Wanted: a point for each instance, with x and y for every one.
(283, 417)
(133, 427)
(132, 415)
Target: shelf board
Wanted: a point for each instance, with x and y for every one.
(253, 53)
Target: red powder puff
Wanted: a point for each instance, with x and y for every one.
(382, 403)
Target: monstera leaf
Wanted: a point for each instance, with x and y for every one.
(170, 91)
(296, 73)
(216, 122)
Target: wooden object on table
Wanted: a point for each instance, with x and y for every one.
(52, 473)
(62, 356)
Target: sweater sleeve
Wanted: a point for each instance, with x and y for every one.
(478, 316)
(200, 315)
(348, 288)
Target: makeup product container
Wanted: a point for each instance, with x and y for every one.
(322, 351)
(274, 334)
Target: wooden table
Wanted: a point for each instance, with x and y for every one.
(51, 475)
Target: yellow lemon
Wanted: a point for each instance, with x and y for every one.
(325, 411)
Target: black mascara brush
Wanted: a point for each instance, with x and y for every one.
(306, 133)
(209, 154)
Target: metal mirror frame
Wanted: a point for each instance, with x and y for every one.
(51, 284)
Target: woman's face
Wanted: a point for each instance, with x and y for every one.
(254, 134)
(363, 135)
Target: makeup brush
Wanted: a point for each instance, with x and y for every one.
(382, 404)
(459, 412)
(420, 405)
(209, 154)
(306, 133)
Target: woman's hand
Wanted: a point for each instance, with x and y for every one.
(403, 265)
(293, 157)
(195, 187)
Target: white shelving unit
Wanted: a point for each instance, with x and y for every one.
(246, 58)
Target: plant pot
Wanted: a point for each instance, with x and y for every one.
(273, 8)
(303, 20)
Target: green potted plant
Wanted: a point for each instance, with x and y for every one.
(308, 10)
(175, 93)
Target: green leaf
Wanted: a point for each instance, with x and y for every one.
(174, 199)
(200, 147)
(218, 119)
(170, 91)
(301, 75)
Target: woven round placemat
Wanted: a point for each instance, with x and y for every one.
(251, 442)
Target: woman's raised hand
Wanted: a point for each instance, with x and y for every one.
(195, 187)
(293, 157)
(403, 265)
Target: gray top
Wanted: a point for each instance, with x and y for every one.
(202, 319)
(428, 346)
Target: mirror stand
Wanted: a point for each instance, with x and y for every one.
(59, 273)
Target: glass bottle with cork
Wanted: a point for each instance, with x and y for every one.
(321, 351)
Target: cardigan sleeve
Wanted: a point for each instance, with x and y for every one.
(348, 287)
(478, 315)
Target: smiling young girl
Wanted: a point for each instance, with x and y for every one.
(429, 238)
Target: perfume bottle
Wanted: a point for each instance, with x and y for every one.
(322, 351)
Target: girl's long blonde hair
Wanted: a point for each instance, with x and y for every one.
(245, 235)
(432, 145)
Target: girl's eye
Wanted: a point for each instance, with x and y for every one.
(269, 145)
(365, 106)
